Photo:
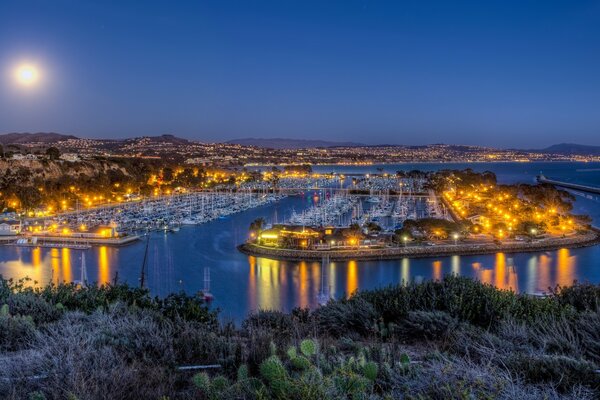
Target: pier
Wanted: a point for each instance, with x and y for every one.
(583, 188)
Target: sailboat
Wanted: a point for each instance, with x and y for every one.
(324, 296)
(206, 295)
(84, 278)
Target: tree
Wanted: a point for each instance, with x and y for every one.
(29, 197)
(53, 153)
(167, 174)
(373, 227)
(257, 224)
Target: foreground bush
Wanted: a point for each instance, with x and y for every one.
(453, 339)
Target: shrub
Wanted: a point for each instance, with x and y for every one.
(562, 371)
(276, 321)
(580, 296)
(15, 332)
(30, 304)
(587, 328)
(197, 343)
(462, 298)
(346, 317)
(424, 325)
(37, 395)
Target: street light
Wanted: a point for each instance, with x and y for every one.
(533, 233)
(405, 239)
(455, 237)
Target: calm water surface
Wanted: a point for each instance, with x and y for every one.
(241, 283)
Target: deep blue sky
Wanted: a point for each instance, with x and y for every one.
(502, 73)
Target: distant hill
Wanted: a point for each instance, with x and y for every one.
(160, 139)
(572, 149)
(279, 143)
(43, 137)
(51, 137)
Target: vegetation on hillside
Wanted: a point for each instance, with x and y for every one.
(450, 339)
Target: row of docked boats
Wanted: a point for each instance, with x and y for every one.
(390, 183)
(169, 212)
(328, 211)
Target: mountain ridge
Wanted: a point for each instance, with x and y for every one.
(282, 143)
(571, 149)
(42, 137)
(567, 149)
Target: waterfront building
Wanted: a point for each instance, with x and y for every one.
(10, 227)
(289, 236)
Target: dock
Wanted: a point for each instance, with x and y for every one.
(583, 188)
(70, 242)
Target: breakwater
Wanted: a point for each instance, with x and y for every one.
(583, 188)
(589, 238)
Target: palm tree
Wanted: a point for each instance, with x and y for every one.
(257, 224)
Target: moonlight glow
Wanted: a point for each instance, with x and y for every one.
(27, 75)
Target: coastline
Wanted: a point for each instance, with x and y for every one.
(393, 253)
(253, 165)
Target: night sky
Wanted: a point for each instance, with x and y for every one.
(500, 73)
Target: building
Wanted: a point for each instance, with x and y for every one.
(289, 236)
(302, 237)
(98, 232)
(71, 157)
(10, 227)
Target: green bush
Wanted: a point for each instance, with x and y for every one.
(562, 371)
(354, 316)
(581, 296)
(37, 395)
(32, 305)
(418, 325)
(462, 298)
(496, 344)
(15, 331)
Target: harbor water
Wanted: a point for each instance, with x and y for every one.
(241, 284)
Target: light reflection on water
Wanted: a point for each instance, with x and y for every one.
(241, 283)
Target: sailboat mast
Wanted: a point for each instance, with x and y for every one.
(143, 272)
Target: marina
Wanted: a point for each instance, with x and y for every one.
(120, 224)
(176, 260)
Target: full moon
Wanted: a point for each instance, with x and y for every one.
(27, 75)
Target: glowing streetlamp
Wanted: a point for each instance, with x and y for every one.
(455, 237)
(404, 239)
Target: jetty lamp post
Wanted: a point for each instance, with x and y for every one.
(533, 232)
(455, 237)
(405, 239)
